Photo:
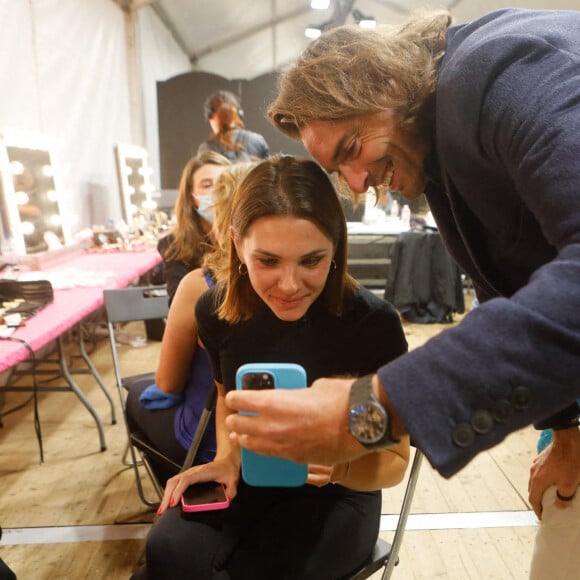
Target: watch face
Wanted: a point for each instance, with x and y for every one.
(368, 422)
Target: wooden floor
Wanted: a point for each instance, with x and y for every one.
(77, 515)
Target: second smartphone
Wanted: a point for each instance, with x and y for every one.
(204, 496)
(261, 470)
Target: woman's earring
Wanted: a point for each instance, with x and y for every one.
(333, 265)
(242, 269)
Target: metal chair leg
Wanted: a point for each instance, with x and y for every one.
(404, 514)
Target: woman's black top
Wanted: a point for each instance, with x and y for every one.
(367, 335)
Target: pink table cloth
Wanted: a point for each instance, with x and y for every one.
(79, 283)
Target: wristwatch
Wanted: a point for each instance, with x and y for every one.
(368, 422)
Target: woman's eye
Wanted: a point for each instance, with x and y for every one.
(311, 262)
(269, 262)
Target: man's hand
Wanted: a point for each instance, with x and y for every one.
(558, 465)
(305, 425)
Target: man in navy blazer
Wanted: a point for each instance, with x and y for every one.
(484, 118)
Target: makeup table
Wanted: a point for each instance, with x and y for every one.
(78, 284)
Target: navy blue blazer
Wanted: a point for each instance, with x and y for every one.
(506, 198)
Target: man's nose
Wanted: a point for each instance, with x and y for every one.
(356, 178)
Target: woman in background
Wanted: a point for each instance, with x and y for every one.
(190, 237)
(229, 137)
(167, 413)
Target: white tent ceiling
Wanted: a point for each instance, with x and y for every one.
(244, 39)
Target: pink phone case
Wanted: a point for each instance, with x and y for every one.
(205, 496)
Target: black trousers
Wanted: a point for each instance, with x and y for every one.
(307, 533)
(157, 428)
(5, 572)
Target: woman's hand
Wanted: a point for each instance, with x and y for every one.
(222, 470)
(319, 475)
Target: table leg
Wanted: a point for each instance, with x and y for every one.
(74, 387)
(95, 373)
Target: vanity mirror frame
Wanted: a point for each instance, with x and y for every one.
(44, 191)
(135, 183)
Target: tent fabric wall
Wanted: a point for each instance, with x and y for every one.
(64, 75)
(19, 105)
(161, 58)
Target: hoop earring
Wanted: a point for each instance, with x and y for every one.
(243, 269)
(332, 266)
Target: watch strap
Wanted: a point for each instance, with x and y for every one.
(361, 391)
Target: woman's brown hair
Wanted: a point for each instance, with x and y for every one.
(225, 107)
(225, 187)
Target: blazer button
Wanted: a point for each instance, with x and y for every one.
(463, 435)
(482, 421)
(521, 398)
(502, 410)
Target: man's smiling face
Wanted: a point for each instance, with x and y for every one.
(368, 151)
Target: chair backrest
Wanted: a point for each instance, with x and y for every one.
(132, 304)
(136, 303)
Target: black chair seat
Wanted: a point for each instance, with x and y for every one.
(375, 562)
(128, 382)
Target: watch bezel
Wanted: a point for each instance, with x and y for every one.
(359, 422)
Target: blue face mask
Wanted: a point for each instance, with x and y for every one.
(205, 207)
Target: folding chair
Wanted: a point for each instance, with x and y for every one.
(127, 305)
(135, 304)
(384, 554)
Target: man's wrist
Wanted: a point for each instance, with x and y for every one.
(564, 436)
(397, 427)
(571, 424)
(563, 419)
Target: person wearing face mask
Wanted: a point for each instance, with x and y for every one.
(167, 413)
(205, 207)
(190, 238)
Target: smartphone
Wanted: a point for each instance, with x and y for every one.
(204, 496)
(262, 470)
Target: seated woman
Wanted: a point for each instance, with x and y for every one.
(287, 298)
(190, 238)
(167, 413)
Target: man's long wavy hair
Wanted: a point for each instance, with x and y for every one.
(286, 186)
(349, 71)
(188, 244)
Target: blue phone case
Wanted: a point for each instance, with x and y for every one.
(262, 470)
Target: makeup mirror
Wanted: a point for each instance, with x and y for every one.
(134, 181)
(29, 208)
